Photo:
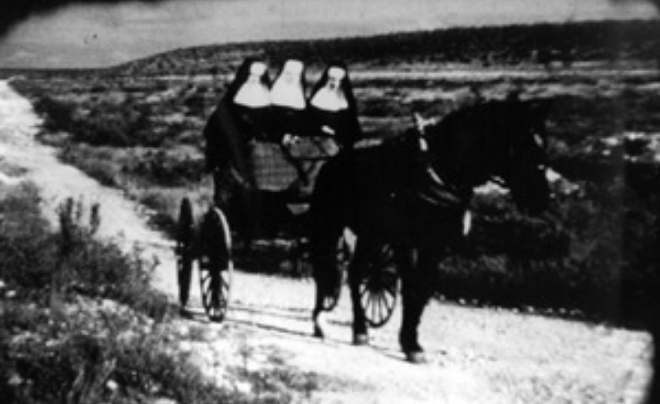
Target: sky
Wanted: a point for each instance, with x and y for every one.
(101, 35)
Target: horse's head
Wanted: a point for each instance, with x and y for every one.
(525, 169)
(497, 140)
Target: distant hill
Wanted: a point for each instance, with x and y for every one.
(508, 45)
(502, 45)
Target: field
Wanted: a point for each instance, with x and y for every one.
(593, 255)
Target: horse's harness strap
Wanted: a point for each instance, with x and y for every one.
(432, 188)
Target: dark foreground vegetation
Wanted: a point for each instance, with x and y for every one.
(594, 255)
(81, 324)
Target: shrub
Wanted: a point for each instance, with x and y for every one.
(58, 116)
(36, 262)
(55, 353)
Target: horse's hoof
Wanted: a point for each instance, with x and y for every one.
(318, 333)
(360, 339)
(416, 357)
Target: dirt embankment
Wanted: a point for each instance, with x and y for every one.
(474, 355)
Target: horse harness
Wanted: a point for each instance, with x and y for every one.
(429, 185)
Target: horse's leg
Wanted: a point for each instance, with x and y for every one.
(416, 289)
(326, 272)
(318, 317)
(355, 275)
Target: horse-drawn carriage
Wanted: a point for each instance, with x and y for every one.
(262, 198)
(405, 202)
(210, 242)
(270, 209)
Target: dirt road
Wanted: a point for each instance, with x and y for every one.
(475, 355)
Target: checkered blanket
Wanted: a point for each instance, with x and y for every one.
(278, 167)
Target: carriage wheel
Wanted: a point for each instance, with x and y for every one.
(378, 289)
(185, 250)
(215, 264)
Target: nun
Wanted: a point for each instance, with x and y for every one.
(243, 114)
(289, 105)
(332, 106)
(248, 99)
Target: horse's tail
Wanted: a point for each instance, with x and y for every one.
(329, 216)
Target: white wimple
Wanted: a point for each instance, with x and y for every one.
(331, 97)
(287, 90)
(254, 93)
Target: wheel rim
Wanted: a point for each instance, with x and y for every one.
(184, 250)
(378, 289)
(216, 264)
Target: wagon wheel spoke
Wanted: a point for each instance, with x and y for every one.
(390, 300)
(380, 300)
(184, 250)
(216, 266)
(378, 289)
(215, 290)
(372, 307)
(390, 283)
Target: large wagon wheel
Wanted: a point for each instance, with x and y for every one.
(215, 264)
(378, 289)
(185, 254)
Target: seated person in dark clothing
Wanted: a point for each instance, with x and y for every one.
(242, 114)
(251, 103)
(332, 106)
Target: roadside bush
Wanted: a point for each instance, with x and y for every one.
(170, 168)
(105, 124)
(105, 170)
(383, 107)
(57, 344)
(593, 255)
(36, 262)
(26, 248)
(69, 361)
(58, 116)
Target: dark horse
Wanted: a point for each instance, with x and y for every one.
(412, 193)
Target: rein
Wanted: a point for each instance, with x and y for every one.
(436, 190)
